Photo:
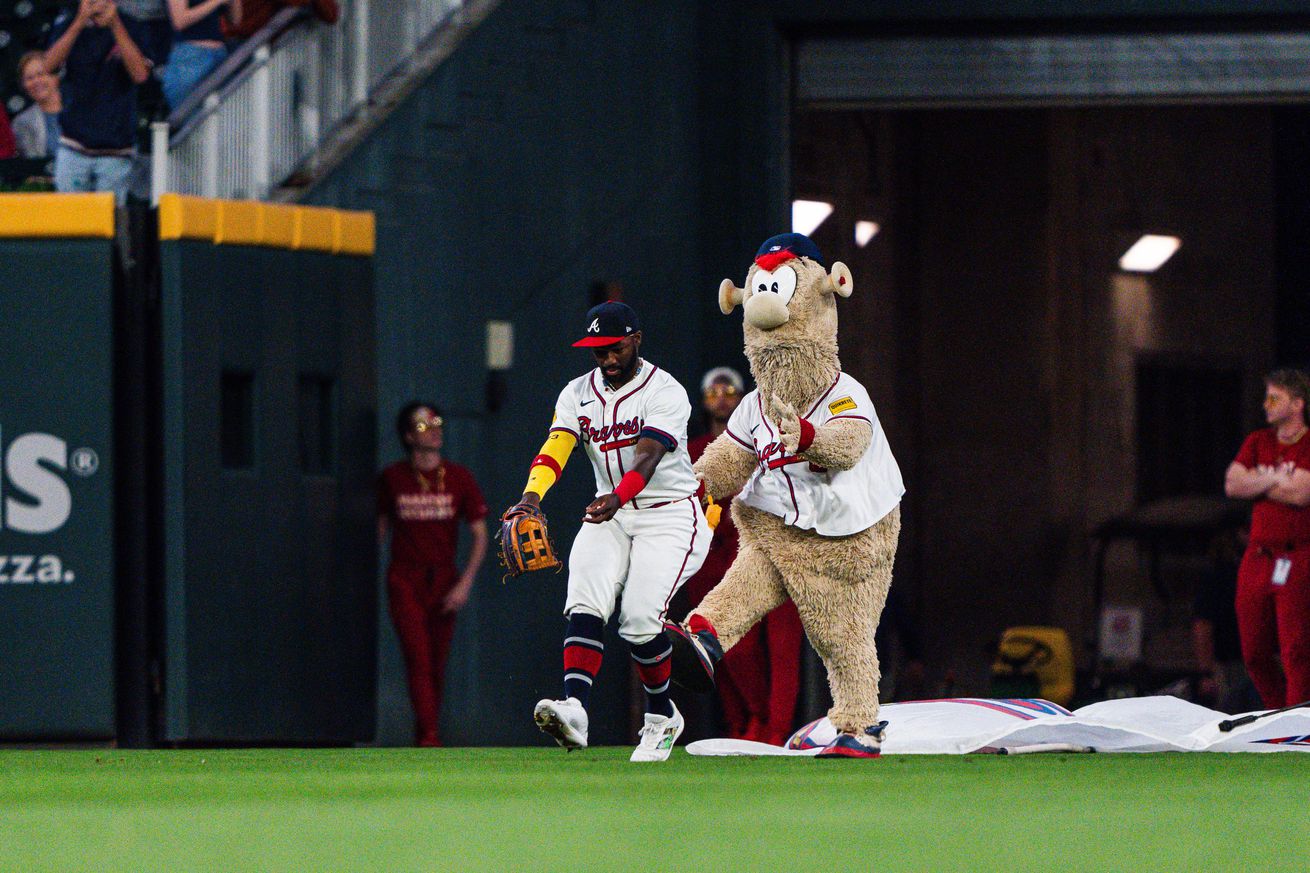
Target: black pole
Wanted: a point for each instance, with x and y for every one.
(1228, 724)
(136, 454)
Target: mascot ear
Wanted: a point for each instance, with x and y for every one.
(730, 296)
(839, 281)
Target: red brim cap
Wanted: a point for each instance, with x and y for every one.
(591, 342)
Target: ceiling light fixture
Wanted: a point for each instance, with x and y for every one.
(1149, 253)
(807, 215)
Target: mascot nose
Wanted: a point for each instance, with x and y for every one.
(766, 311)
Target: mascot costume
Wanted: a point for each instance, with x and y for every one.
(819, 508)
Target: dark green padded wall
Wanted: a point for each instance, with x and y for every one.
(558, 148)
(270, 613)
(56, 489)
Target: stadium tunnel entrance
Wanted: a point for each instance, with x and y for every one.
(982, 191)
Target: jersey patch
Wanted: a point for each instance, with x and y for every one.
(841, 405)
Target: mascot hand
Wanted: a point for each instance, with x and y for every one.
(789, 423)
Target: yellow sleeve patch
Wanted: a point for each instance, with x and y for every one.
(841, 405)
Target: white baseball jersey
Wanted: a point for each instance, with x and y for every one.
(608, 422)
(805, 495)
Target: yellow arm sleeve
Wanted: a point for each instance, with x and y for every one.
(550, 461)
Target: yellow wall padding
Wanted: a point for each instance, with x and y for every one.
(314, 229)
(355, 233)
(183, 217)
(275, 225)
(239, 223)
(47, 216)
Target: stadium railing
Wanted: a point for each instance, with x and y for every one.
(286, 91)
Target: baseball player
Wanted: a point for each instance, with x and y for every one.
(644, 534)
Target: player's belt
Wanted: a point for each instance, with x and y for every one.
(618, 444)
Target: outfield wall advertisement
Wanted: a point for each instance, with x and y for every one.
(56, 489)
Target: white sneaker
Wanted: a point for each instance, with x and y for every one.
(658, 735)
(565, 720)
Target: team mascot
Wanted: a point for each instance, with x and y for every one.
(819, 508)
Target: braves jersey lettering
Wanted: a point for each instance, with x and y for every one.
(608, 433)
(426, 519)
(425, 507)
(610, 421)
(807, 495)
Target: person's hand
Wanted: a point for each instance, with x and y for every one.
(456, 597)
(602, 509)
(1271, 475)
(86, 10)
(106, 11)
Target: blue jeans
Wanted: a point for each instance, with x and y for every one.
(188, 65)
(76, 172)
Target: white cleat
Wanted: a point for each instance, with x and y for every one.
(658, 735)
(565, 720)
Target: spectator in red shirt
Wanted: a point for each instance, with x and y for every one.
(1273, 582)
(759, 678)
(421, 502)
(8, 147)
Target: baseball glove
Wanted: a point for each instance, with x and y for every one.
(524, 541)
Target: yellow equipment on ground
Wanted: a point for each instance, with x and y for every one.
(1034, 660)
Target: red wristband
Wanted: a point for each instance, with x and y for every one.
(807, 436)
(630, 486)
(548, 462)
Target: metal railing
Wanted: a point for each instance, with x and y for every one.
(281, 94)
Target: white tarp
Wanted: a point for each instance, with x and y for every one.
(971, 724)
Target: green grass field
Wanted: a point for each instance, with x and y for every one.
(543, 809)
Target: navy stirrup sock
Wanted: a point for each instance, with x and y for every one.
(653, 666)
(584, 648)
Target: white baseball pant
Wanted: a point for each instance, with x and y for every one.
(637, 559)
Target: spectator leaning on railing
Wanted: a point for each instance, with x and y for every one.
(257, 13)
(102, 68)
(198, 46)
(37, 127)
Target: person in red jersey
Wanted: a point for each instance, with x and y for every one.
(759, 678)
(421, 502)
(1273, 582)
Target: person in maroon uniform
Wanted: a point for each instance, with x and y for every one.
(421, 502)
(1273, 582)
(759, 678)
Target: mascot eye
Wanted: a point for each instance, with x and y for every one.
(784, 283)
(762, 280)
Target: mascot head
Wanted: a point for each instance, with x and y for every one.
(788, 291)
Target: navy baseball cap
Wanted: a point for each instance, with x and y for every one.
(786, 246)
(608, 323)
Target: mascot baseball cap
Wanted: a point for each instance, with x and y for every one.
(786, 246)
(608, 323)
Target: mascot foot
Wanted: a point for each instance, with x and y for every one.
(694, 657)
(865, 744)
